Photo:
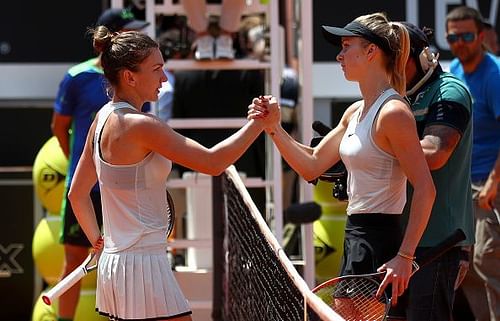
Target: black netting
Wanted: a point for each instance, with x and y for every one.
(256, 285)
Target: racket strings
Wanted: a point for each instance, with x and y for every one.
(170, 214)
(354, 299)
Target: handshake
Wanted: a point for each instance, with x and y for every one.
(337, 174)
(267, 109)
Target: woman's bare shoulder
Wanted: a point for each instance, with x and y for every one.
(396, 106)
(351, 110)
(396, 114)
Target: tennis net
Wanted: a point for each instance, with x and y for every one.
(256, 279)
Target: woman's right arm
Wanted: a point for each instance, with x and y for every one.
(154, 134)
(309, 162)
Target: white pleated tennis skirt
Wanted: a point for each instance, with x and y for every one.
(138, 284)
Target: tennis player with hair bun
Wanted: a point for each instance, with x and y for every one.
(130, 154)
(377, 140)
(80, 96)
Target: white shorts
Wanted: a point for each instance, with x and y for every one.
(138, 284)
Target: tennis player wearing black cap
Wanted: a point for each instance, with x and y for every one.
(441, 105)
(378, 154)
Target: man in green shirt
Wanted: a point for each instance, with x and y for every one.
(441, 105)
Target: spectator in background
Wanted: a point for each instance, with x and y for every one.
(81, 94)
(480, 71)
(490, 38)
(441, 105)
(207, 46)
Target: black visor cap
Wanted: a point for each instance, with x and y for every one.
(354, 29)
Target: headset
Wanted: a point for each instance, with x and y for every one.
(428, 62)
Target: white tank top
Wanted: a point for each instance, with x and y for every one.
(376, 183)
(134, 201)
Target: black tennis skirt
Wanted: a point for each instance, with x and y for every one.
(370, 241)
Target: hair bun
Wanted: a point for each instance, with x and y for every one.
(102, 38)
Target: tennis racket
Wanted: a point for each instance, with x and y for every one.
(353, 296)
(171, 214)
(90, 263)
(69, 280)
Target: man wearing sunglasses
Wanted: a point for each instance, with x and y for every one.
(480, 71)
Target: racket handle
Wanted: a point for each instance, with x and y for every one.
(436, 251)
(63, 285)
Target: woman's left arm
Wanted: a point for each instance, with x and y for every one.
(400, 134)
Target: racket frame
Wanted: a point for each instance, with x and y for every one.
(171, 208)
(426, 258)
(69, 280)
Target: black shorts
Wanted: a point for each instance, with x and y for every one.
(71, 232)
(370, 241)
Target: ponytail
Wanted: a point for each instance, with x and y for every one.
(397, 70)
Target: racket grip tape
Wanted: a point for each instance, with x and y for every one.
(64, 285)
(436, 251)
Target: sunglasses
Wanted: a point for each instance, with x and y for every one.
(466, 37)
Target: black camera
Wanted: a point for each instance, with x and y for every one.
(337, 174)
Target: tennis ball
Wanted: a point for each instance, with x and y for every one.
(85, 311)
(48, 253)
(43, 312)
(323, 195)
(49, 174)
(328, 240)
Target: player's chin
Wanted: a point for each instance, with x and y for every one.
(154, 96)
(348, 76)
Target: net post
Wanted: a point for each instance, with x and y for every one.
(217, 247)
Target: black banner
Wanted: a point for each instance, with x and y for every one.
(429, 13)
(36, 31)
(16, 260)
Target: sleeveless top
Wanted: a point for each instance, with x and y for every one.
(134, 201)
(376, 183)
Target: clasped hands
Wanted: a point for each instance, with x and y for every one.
(265, 109)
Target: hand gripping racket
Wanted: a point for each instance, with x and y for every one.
(90, 263)
(353, 296)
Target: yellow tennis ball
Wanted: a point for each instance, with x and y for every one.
(43, 312)
(328, 240)
(49, 174)
(48, 253)
(85, 311)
